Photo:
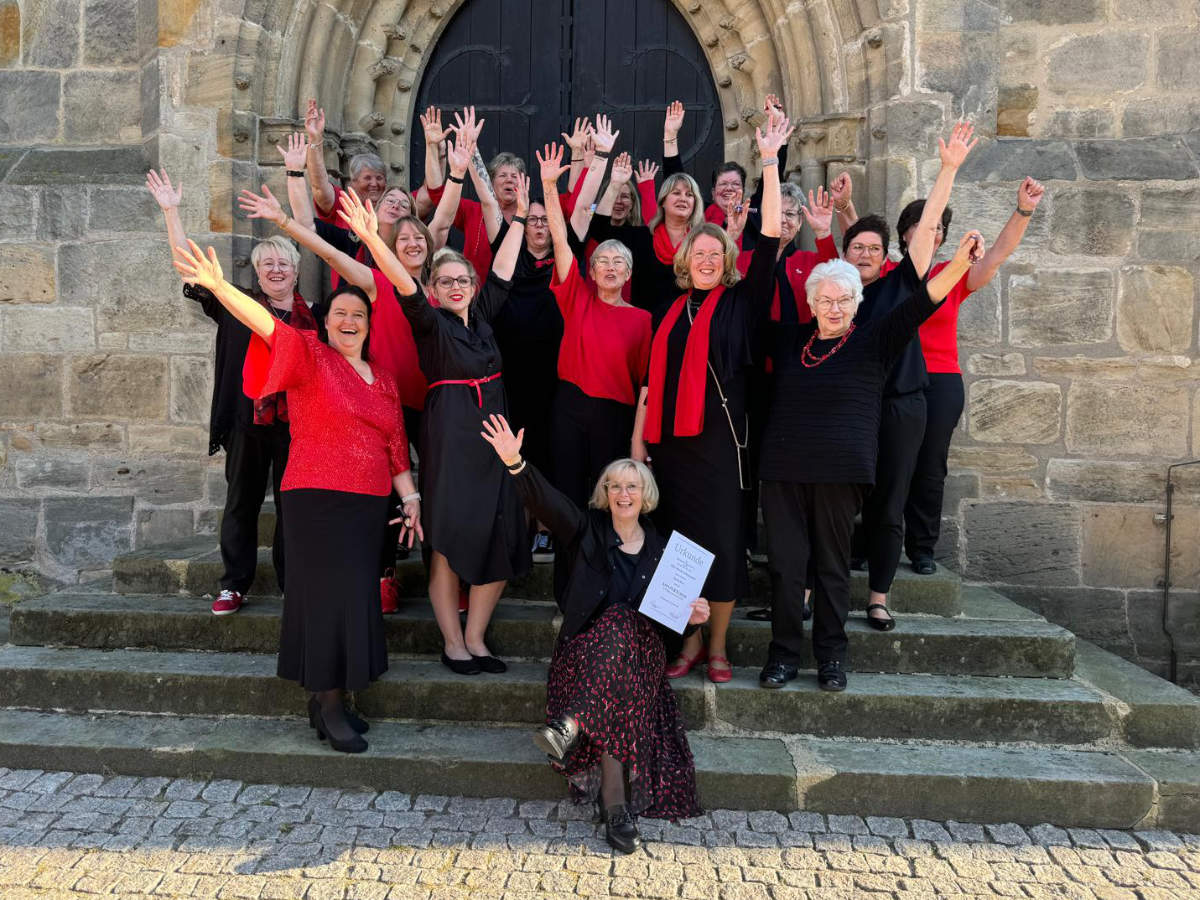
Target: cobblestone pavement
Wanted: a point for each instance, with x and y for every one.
(69, 835)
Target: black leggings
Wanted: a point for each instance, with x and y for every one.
(252, 453)
(586, 435)
(923, 512)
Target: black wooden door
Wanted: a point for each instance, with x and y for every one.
(530, 66)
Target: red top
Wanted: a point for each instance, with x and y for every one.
(939, 333)
(799, 266)
(392, 344)
(347, 435)
(332, 216)
(605, 349)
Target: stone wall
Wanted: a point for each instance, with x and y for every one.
(1078, 358)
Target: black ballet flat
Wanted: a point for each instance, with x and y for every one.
(355, 745)
(353, 719)
(490, 664)
(880, 624)
(462, 666)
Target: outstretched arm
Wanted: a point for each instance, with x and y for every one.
(1029, 195)
(458, 154)
(622, 171)
(576, 141)
(603, 139)
(969, 254)
(318, 178)
(841, 189)
(770, 140)
(361, 220)
(504, 263)
(205, 271)
(550, 159)
(672, 122)
(168, 197)
(295, 157)
(920, 248)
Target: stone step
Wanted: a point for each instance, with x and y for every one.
(195, 568)
(898, 707)
(527, 629)
(965, 783)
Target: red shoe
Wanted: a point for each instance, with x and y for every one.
(719, 676)
(684, 664)
(389, 595)
(464, 599)
(227, 602)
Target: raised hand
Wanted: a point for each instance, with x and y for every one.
(458, 156)
(467, 126)
(622, 170)
(673, 121)
(819, 212)
(575, 140)
(955, 151)
(261, 207)
(197, 268)
(507, 445)
(736, 212)
(550, 157)
(295, 154)
(589, 150)
(1029, 194)
(522, 195)
(166, 195)
(646, 171)
(361, 219)
(604, 138)
(431, 124)
(700, 612)
(314, 123)
(772, 108)
(841, 190)
(970, 248)
(775, 136)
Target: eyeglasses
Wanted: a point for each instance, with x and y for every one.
(630, 488)
(714, 257)
(841, 303)
(281, 264)
(791, 215)
(869, 249)
(604, 262)
(445, 283)
(537, 220)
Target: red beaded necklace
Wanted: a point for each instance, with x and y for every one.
(810, 361)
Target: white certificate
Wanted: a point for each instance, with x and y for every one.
(677, 581)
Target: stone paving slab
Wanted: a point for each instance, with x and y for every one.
(64, 835)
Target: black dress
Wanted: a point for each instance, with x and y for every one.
(471, 513)
(701, 478)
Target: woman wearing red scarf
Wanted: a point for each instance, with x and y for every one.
(694, 413)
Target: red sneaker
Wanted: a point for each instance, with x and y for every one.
(389, 596)
(227, 602)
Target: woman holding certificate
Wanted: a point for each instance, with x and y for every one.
(612, 716)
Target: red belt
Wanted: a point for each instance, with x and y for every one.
(470, 382)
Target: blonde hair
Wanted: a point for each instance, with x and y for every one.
(668, 185)
(635, 203)
(649, 486)
(683, 256)
(422, 229)
(412, 201)
(445, 257)
(281, 245)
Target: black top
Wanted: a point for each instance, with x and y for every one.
(651, 281)
(880, 297)
(586, 542)
(231, 408)
(529, 327)
(623, 587)
(823, 424)
(753, 229)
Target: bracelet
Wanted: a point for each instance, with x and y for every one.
(600, 154)
(576, 159)
(770, 161)
(415, 495)
(284, 224)
(667, 140)
(1024, 212)
(457, 179)
(515, 468)
(294, 173)
(843, 207)
(516, 219)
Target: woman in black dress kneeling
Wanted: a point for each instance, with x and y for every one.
(611, 712)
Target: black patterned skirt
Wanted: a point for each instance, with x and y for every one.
(610, 677)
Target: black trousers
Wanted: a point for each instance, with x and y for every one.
(809, 524)
(944, 399)
(252, 453)
(901, 430)
(586, 434)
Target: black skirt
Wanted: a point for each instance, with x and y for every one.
(332, 631)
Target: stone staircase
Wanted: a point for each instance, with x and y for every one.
(973, 709)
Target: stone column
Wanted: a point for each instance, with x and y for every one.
(812, 172)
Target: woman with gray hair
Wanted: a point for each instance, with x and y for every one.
(819, 449)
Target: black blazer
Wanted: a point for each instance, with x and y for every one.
(584, 539)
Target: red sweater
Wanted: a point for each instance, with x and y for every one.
(605, 349)
(798, 266)
(347, 435)
(939, 333)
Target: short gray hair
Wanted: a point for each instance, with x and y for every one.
(840, 273)
(612, 245)
(281, 245)
(504, 158)
(789, 190)
(361, 161)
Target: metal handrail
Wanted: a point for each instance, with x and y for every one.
(1173, 664)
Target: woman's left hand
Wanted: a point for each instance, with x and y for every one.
(261, 207)
(774, 136)
(361, 219)
(819, 212)
(522, 195)
(736, 212)
(197, 268)
(699, 612)
(970, 248)
(410, 522)
(507, 445)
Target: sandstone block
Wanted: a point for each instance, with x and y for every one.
(1104, 481)
(1017, 106)
(122, 209)
(96, 273)
(109, 386)
(1137, 159)
(80, 435)
(175, 19)
(60, 473)
(63, 215)
(992, 461)
(1095, 222)
(167, 439)
(1015, 542)
(29, 104)
(1127, 418)
(1081, 123)
(1060, 307)
(1170, 208)
(1011, 159)
(979, 318)
(1015, 487)
(996, 364)
(38, 381)
(963, 63)
(1196, 424)
(1094, 614)
(1178, 51)
(1181, 246)
(27, 273)
(16, 211)
(1065, 12)
(210, 78)
(63, 330)
(102, 107)
(1018, 412)
(1149, 368)
(914, 126)
(1096, 63)
(1155, 309)
(10, 32)
(191, 389)
(109, 39)
(949, 15)
(1124, 547)
(18, 530)
(155, 480)
(84, 532)
(51, 33)
(959, 486)
(1160, 115)
(1156, 11)
(988, 206)
(163, 526)
(99, 165)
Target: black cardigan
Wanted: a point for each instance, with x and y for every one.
(584, 540)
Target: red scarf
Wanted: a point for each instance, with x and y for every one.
(693, 376)
(663, 248)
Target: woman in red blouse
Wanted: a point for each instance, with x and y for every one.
(342, 408)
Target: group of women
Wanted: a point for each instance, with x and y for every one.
(596, 369)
